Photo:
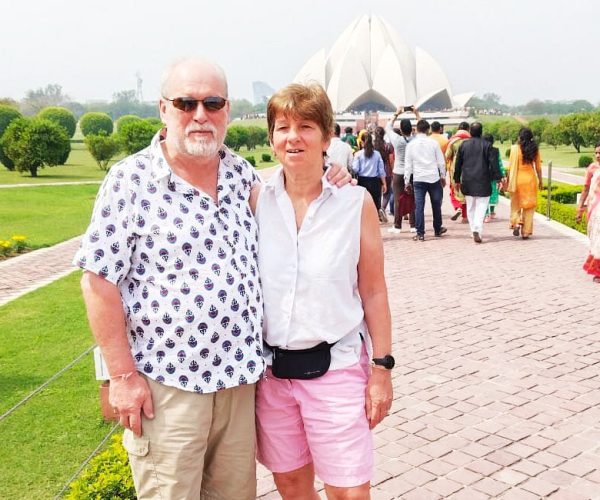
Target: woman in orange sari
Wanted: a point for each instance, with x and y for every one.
(524, 180)
(591, 197)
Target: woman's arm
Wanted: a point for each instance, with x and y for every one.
(373, 292)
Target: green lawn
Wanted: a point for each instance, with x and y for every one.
(45, 440)
(79, 167)
(46, 215)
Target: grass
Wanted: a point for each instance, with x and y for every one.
(46, 215)
(80, 167)
(564, 157)
(45, 441)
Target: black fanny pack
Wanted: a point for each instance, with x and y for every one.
(301, 363)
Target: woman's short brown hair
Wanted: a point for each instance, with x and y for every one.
(305, 102)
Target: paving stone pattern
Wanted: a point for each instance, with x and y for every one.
(497, 385)
(25, 273)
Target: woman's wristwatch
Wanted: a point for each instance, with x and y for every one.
(387, 361)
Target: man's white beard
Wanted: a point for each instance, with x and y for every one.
(203, 146)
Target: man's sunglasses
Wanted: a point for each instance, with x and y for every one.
(187, 104)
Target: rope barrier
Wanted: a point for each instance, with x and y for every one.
(86, 461)
(49, 381)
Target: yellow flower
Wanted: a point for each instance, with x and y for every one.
(6, 244)
(19, 237)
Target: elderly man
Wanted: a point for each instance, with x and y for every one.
(173, 297)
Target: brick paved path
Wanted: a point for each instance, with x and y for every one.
(497, 385)
(30, 271)
(498, 348)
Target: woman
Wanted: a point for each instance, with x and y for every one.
(494, 197)
(591, 197)
(524, 180)
(369, 168)
(386, 151)
(325, 303)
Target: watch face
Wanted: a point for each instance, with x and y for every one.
(389, 361)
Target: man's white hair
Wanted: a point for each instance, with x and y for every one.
(165, 79)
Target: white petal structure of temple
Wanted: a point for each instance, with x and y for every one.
(370, 66)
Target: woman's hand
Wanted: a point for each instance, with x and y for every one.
(378, 399)
(579, 214)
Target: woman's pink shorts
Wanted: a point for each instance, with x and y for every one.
(322, 420)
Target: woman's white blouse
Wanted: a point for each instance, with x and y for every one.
(309, 276)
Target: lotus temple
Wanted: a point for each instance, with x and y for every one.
(370, 71)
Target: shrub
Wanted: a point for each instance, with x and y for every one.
(60, 116)
(565, 214)
(266, 157)
(136, 135)
(103, 148)
(584, 161)
(566, 195)
(155, 122)
(107, 476)
(7, 115)
(125, 119)
(35, 143)
(251, 160)
(95, 123)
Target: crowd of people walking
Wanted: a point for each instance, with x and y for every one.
(400, 166)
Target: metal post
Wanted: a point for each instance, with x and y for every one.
(549, 199)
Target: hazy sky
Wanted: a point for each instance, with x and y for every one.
(519, 49)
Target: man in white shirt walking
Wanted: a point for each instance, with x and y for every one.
(425, 163)
(339, 151)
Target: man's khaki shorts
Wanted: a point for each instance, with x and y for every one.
(197, 445)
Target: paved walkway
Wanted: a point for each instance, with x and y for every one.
(33, 270)
(497, 389)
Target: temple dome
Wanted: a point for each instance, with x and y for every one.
(371, 66)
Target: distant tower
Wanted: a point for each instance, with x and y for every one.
(262, 92)
(138, 92)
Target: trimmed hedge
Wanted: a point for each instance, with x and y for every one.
(584, 161)
(107, 476)
(251, 160)
(266, 157)
(565, 195)
(559, 212)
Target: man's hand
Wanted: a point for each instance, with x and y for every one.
(541, 185)
(378, 399)
(129, 397)
(408, 189)
(457, 187)
(443, 181)
(339, 175)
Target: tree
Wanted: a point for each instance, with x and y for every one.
(94, 123)
(60, 116)
(589, 128)
(126, 119)
(35, 143)
(508, 130)
(550, 136)
(36, 100)
(136, 135)
(7, 115)
(237, 136)
(240, 107)
(537, 127)
(103, 148)
(569, 132)
(257, 136)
